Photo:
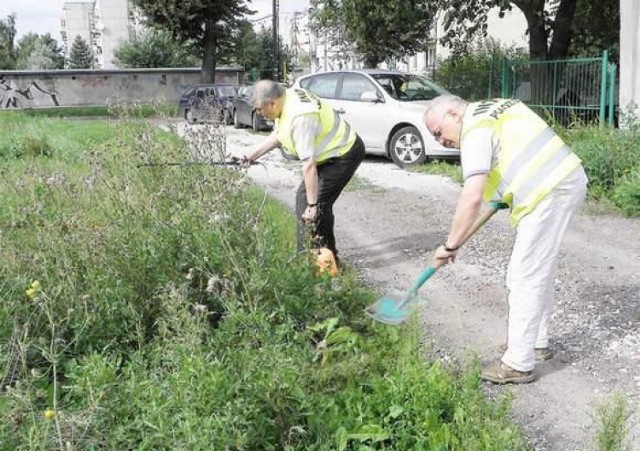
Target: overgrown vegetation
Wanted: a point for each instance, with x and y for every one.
(165, 308)
(611, 158)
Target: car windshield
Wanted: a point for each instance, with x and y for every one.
(227, 91)
(408, 87)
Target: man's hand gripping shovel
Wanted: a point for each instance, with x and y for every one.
(394, 309)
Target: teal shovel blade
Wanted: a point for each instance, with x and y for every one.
(390, 309)
(394, 309)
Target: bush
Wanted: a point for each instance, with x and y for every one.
(611, 158)
(475, 73)
(626, 193)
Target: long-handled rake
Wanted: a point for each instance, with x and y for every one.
(233, 161)
(393, 309)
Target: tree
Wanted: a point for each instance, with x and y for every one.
(155, 48)
(596, 26)
(551, 24)
(7, 37)
(269, 55)
(81, 56)
(247, 48)
(36, 51)
(210, 25)
(379, 29)
(257, 54)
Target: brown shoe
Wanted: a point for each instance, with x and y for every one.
(499, 373)
(542, 354)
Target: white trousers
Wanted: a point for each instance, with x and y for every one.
(532, 268)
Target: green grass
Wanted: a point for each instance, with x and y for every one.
(99, 111)
(173, 313)
(445, 168)
(21, 135)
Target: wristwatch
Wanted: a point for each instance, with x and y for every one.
(450, 249)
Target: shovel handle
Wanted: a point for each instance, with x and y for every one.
(493, 208)
(426, 274)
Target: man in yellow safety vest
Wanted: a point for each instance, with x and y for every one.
(309, 129)
(509, 154)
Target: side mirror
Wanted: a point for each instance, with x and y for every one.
(370, 96)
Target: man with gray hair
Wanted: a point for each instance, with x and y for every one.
(509, 154)
(309, 129)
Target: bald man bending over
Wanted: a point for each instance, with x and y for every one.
(509, 154)
(309, 129)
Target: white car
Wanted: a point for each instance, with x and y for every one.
(385, 108)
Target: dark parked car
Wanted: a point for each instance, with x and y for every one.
(244, 114)
(207, 102)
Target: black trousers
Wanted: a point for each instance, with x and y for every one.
(333, 176)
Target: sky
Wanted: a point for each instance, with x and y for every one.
(43, 16)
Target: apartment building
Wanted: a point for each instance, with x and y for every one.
(76, 21)
(112, 28)
(103, 24)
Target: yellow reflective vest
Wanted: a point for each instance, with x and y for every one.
(336, 136)
(532, 159)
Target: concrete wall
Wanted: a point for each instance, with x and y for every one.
(35, 89)
(630, 57)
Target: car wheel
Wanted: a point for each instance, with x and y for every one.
(236, 121)
(189, 116)
(407, 148)
(254, 122)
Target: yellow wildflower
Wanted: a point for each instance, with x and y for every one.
(34, 289)
(49, 414)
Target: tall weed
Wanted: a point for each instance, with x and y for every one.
(612, 160)
(611, 418)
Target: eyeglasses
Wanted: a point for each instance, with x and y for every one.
(437, 133)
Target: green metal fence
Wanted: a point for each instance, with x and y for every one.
(570, 90)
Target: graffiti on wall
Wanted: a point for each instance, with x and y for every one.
(12, 96)
(95, 82)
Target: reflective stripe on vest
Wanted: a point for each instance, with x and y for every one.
(335, 138)
(532, 161)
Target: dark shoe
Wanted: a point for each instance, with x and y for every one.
(542, 354)
(499, 373)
